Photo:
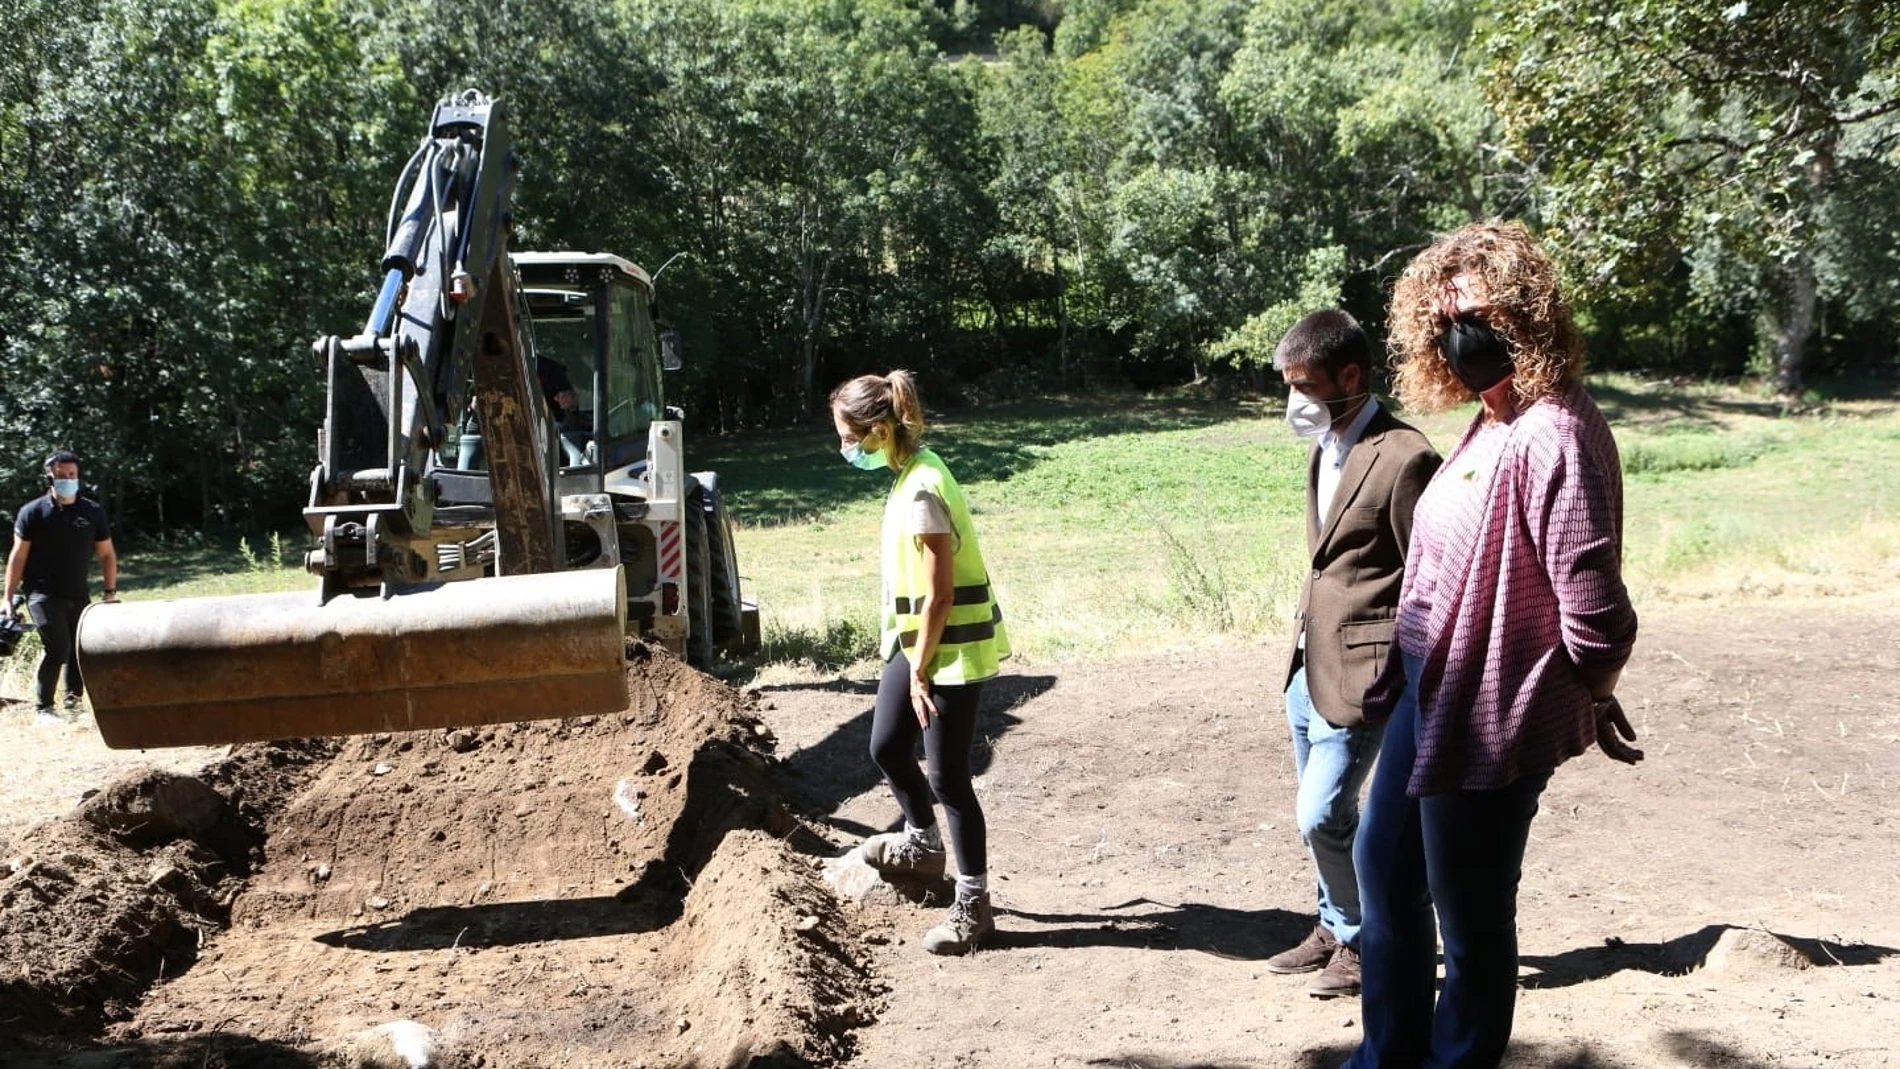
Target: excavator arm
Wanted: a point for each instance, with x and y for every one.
(445, 316)
(391, 640)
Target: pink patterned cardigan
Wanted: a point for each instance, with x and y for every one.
(1514, 595)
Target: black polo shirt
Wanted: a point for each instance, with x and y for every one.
(62, 537)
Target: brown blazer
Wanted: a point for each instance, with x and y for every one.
(1358, 563)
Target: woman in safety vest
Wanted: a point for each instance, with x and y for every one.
(941, 636)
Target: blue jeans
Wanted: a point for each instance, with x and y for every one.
(1332, 764)
(1461, 852)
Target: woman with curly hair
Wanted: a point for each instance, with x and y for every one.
(1513, 627)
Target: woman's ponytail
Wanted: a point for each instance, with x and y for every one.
(905, 407)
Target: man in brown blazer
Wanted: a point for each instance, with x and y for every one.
(1364, 476)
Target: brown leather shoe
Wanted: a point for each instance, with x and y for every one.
(1313, 953)
(1340, 977)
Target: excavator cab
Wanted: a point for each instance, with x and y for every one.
(594, 332)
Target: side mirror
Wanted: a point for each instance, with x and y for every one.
(670, 351)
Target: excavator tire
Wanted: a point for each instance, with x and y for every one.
(699, 635)
(728, 624)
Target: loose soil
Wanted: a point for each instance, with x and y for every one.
(645, 889)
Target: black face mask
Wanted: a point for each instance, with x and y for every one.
(1474, 352)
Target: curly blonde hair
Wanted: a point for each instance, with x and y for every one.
(1525, 307)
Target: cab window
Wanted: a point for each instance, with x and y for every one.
(633, 374)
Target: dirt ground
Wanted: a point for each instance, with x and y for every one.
(644, 889)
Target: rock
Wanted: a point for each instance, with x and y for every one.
(854, 880)
(1746, 950)
(402, 1044)
(382, 769)
(164, 876)
(378, 902)
(462, 740)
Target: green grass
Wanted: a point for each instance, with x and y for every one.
(1137, 524)
(1107, 526)
(1134, 524)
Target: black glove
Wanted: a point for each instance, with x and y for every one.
(12, 629)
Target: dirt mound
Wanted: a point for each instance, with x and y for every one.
(97, 905)
(611, 890)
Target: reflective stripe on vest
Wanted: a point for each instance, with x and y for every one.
(960, 633)
(973, 641)
(964, 595)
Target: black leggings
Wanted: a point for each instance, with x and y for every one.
(947, 743)
(58, 619)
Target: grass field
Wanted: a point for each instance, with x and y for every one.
(1128, 524)
(1114, 527)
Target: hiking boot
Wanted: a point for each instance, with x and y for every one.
(895, 853)
(969, 921)
(45, 717)
(1340, 977)
(75, 706)
(1310, 956)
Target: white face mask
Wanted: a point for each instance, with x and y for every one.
(1307, 417)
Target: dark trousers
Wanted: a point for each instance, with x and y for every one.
(58, 620)
(947, 742)
(1460, 853)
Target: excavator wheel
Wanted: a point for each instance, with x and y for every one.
(699, 636)
(728, 623)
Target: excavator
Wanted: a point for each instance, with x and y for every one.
(500, 500)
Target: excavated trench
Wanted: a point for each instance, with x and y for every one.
(598, 891)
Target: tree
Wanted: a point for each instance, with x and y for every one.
(1725, 134)
(1364, 127)
(820, 152)
(200, 195)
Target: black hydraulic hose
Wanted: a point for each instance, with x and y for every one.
(402, 181)
(408, 235)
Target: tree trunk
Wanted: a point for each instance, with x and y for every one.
(813, 320)
(1804, 289)
(1793, 328)
(1062, 306)
(1797, 323)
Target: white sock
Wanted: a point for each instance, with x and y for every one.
(972, 886)
(928, 838)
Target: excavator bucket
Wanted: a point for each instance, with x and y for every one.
(253, 667)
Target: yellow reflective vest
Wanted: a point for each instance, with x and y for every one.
(973, 642)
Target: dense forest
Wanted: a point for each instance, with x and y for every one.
(1011, 198)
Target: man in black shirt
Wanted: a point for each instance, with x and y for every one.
(55, 538)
